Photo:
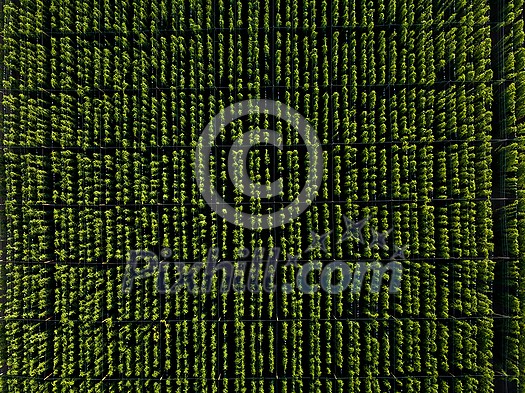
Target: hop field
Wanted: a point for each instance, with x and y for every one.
(106, 235)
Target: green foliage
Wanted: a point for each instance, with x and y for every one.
(420, 111)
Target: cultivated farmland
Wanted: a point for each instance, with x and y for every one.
(105, 233)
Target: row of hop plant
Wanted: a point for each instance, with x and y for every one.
(512, 98)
